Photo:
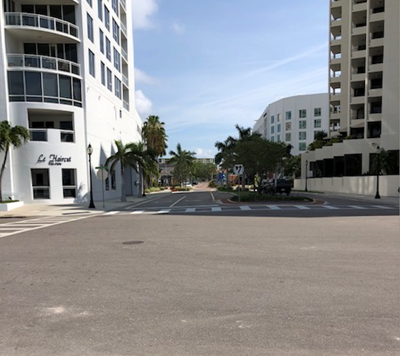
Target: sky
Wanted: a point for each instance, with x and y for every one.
(203, 66)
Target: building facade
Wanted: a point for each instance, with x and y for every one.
(295, 120)
(364, 80)
(66, 74)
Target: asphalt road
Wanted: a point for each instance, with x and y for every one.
(202, 285)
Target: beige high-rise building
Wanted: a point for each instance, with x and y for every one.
(364, 98)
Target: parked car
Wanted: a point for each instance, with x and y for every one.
(282, 185)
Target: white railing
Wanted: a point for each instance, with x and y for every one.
(40, 21)
(124, 54)
(43, 62)
(123, 3)
(125, 80)
(126, 105)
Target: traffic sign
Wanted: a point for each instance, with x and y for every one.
(238, 169)
(102, 174)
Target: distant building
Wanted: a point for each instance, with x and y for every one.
(295, 120)
(67, 75)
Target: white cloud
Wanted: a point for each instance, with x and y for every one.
(142, 10)
(142, 77)
(178, 28)
(204, 153)
(144, 106)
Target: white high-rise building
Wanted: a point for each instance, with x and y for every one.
(295, 120)
(67, 74)
(364, 96)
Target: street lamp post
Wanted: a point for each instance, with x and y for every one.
(89, 151)
(306, 190)
(378, 169)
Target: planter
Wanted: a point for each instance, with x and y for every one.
(11, 206)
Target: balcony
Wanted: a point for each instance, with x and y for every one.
(125, 80)
(124, 55)
(54, 27)
(336, 3)
(51, 135)
(42, 62)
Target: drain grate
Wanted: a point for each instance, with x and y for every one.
(132, 242)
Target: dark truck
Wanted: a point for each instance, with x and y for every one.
(283, 185)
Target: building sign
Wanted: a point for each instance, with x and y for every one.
(53, 160)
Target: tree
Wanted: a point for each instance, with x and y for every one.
(131, 155)
(154, 138)
(182, 161)
(10, 137)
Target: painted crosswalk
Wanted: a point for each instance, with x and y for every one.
(19, 226)
(252, 208)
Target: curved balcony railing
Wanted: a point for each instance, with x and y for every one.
(43, 62)
(43, 22)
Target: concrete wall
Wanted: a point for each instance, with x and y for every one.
(388, 185)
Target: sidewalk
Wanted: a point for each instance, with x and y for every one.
(77, 208)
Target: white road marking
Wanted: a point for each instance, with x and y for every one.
(111, 213)
(245, 207)
(190, 210)
(177, 201)
(302, 207)
(329, 207)
(137, 212)
(164, 211)
(216, 209)
(357, 207)
(381, 207)
(273, 207)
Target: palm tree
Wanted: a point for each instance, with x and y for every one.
(131, 155)
(154, 136)
(10, 137)
(182, 160)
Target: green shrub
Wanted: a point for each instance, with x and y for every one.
(255, 197)
(212, 184)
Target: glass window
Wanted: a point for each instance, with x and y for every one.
(50, 85)
(113, 181)
(278, 128)
(69, 183)
(278, 117)
(317, 112)
(302, 124)
(272, 129)
(40, 183)
(115, 31)
(65, 87)
(107, 18)
(109, 80)
(103, 73)
(33, 83)
(100, 9)
(69, 13)
(288, 137)
(115, 6)
(278, 138)
(77, 89)
(288, 115)
(302, 146)
(302, 135)
(90, 28)
(117, 60)
(101, 36)
(317, 123)
(89, 2)
(272, 119)
(288, 126)
(91, 63)
(302, 113)
(15, 83)
(117, 84)
(108, 49)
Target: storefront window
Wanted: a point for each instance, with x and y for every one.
(69, 183)
(40, 183)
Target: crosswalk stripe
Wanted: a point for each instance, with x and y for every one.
(329, 207)
(190, 210)
(357, 207)
(301, 207)
(164, 211)
(273, 207)
(381, 207)
(111, 213)
(245, 207)
(216, 209)
(137, 212)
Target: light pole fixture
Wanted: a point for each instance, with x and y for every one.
(89, 151)
(306, 190)
(378, 169)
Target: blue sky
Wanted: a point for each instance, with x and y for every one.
(204, 66)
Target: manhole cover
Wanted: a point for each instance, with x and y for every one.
(132, 242)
